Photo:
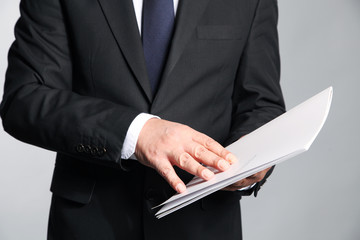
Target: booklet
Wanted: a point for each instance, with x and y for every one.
(282, 138)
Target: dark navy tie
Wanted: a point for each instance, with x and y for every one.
(157, 27)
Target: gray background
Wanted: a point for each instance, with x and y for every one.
(313, 196)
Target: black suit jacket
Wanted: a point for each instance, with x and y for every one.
(77, 78)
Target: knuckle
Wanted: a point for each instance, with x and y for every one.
(153, 152)
(238, 184)
(184, 160)
(185, 128)
(256, 175)
(259, 178)
(209, 142)
(170, 132)
(199, 151)
(224, 152)
(253, 177)
(186, 131)
(200, 170)
(165, 172)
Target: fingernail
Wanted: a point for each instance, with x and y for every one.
(207, 174)
(231, 158)
(180, 188)
(223, 165)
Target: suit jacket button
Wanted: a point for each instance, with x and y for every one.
(87, 149)
(94, 150)
(101, 152)
(80, 148)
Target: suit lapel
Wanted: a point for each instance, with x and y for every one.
(188, 15)
(121, 17)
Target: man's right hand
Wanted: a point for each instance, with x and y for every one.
(163, 144)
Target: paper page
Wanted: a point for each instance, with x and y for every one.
(173, 204)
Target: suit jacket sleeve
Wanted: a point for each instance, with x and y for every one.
(39, 106)
(257, 94)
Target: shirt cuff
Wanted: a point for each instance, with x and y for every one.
(247, 188)
(132, 135)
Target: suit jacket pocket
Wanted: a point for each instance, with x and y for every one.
(219, 32)
(72, 184)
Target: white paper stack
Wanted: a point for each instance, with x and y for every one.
(284, 137)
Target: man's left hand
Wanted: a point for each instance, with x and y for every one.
(257, 177)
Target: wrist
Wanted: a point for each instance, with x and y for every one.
(133, 133)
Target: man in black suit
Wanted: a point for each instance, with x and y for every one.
(78, 83)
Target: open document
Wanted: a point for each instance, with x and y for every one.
(284, 137)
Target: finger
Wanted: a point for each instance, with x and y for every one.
(239, 185)
(203, 155)
(256, 177)
(214, 147)
(167, 171)
(259, 176)
(230, 189)
(242, 183)
(186, 162)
